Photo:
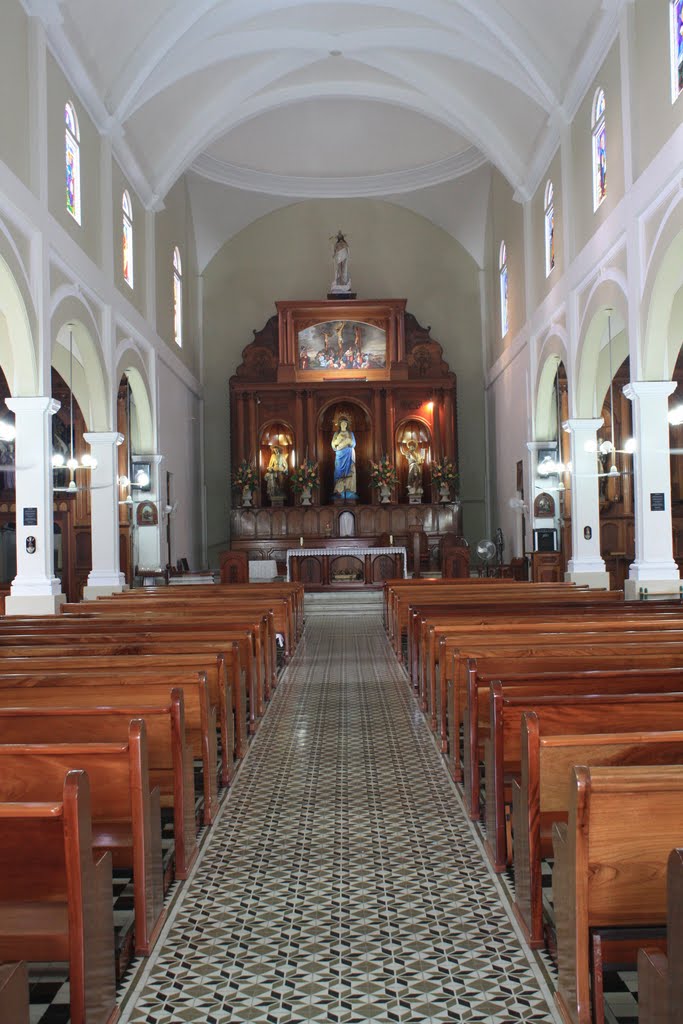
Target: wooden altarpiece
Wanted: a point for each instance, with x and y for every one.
(313, 362)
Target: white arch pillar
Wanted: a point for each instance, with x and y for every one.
(105, 577)
(586, 566)
(654, 568)
(35, 589)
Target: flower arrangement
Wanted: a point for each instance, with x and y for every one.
(382, 473)
(305, 475)
(245, 476)
(444, 472)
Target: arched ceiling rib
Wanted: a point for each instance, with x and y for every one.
(496, 72)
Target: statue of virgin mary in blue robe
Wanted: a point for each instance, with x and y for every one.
(344, 445)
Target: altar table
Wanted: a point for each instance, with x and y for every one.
(364, 557)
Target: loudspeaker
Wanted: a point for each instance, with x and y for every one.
(545, 540)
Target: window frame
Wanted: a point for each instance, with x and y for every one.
(598, 130)
(127, 239)
(177, 297)
(676, 6)
(72, 146)
(549, 227)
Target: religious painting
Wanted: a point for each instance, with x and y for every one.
(339, 345)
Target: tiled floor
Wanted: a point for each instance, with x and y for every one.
(342, 881)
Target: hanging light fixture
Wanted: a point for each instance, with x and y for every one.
(72, 463)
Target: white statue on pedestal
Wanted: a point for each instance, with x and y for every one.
(342, 279)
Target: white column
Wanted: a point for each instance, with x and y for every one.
(654, 568)
(586, 565)
(105, 576)
(35, 589)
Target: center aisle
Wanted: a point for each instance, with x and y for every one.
(342, 881)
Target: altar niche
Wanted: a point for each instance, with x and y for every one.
(313, 364)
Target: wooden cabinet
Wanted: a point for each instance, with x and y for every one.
(547, 567)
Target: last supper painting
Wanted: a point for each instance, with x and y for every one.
(342, 345)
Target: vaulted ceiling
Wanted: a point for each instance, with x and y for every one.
(303, 98)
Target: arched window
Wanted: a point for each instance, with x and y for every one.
(503, 266)
(177, 297)
(73, 163)
(127, 239)
(676, 49)
(549, 218)
(599, 149)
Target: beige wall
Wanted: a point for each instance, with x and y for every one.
(136, 294)
(174, 227)
(540, 284)
(586, 220)
(656, 117)
(88, 234)
(506, 223)
(14, 89)
(287, 255)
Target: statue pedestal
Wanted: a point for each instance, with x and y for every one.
(415, 499)
(342, 295)
(277, 501)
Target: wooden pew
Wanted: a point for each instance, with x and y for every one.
(562, 714)
(170, 758)
(14, 994)
(78, 689)
(540, 797)
(56, 900)
(610, 868)
(660, 977)
(126, 817)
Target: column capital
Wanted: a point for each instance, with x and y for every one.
(105, 437)
(649, 389)
(33, 403)
(575, 426)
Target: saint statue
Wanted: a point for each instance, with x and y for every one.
(344, 444)
(415, 457)
(276, 473)
(342, 278)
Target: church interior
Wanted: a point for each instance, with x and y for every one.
(340, 353)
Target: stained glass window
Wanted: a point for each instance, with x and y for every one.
(599, 149)
(676, 49)
(127, 241)
(73, 163)
(549, 209)
(503, 267)
(177, 297)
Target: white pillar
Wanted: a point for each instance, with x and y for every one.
(586, 565)
(35, 589)
(105, 577)
(654, 568)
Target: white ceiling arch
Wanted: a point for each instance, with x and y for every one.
(169, 78)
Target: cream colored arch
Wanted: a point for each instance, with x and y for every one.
(592, 376)
(91, 386)
(662, 303)
(553, 352)
(17, 347)
(143, 434)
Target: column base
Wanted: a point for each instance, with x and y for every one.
(633, 589)
(92, 593)
(36, 604)
(594, 580)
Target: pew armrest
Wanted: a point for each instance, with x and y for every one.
(653, 1003)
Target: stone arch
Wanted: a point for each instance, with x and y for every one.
(129, 360)
(91, 385)
(592, 358)
(17, 346)
(553, 352)
(662, 302)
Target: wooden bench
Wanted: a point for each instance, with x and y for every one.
(170, 758)
(56, 900)
(660, 976)
(82, 689)
(610, 868)
(14, 994)
(126, 816)
(540, 797)
(559, 715)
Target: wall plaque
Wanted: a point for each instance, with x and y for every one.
(30, 517)
(657, 503)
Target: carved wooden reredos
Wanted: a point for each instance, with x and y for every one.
(369, 358)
